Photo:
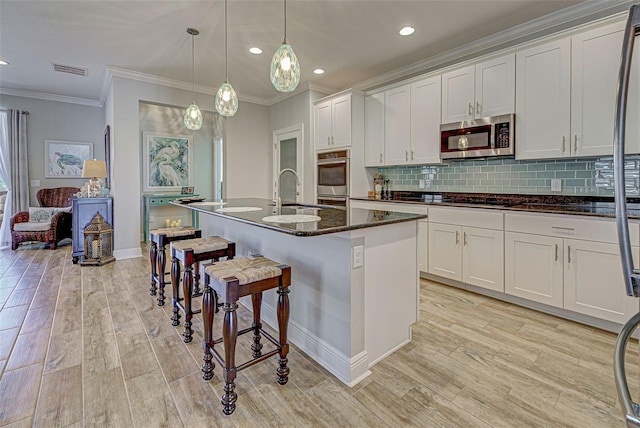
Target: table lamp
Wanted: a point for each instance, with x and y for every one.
(95, 170)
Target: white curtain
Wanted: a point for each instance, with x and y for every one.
(5, 176)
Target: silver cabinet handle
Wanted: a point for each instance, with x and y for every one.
(380, 157)
(575, 143)
(556, 258)
(328, 141)
(569, 253)
(470, 109)
(477, 107)
(411, 154)
(333, 141)
(563, 143)
(457, 237)
(406, 155)
(464, 235)
(562, 228)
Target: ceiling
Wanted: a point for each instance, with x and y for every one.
(354, 41)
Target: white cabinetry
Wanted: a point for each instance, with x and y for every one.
(467, 246)
(425, 121)
(332, 121)
(484, 89)
(397, 126)
(565, 97)
(568, 262)
(374, 130)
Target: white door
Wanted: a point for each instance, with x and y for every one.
(445, 250)
(341, 121)
(425, 121)
(543, 84)
(458, 95)
(483, 258)
(533, 266)
(397, 125)
(288, 155)
(495, 86)
(374, 130)
(322, 123)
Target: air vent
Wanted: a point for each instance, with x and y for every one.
(69, 69)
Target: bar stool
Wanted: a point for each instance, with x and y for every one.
(229, 281)
(191, 252)
(159, 238)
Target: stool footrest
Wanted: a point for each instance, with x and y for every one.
(249, 363)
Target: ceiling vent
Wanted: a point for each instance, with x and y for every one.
(69, 69)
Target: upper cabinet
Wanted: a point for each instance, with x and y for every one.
(565, 97)
(481, 90)
(425, 121)
(374, 130)
(397, 125)
(332, 120)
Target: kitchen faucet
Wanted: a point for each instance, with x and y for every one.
(278, 202)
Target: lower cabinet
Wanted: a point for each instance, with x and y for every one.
(569, 263)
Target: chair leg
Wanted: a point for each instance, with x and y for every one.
(187, 283)
(197, 291)
(256, 302)
(283, 322)
(229, 337)
(208, 304)
(175, 286)
(153, 259)
(162, 265)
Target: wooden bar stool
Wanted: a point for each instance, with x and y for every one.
(190, 252)
(229, 281)
(159, 238)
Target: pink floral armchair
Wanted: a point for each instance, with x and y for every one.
(59, 228)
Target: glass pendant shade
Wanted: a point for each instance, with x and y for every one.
(193, 117)
(226, 100)
(285, 69)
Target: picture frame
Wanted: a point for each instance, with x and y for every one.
(64, 159)
(167, 162)
(107, 156)
(187, 191)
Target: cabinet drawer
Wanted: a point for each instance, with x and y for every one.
(158, 201)
(486, 219)
(601, 230)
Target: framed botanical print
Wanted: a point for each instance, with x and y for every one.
(167, 161)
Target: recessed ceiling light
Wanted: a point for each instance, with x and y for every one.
(2, 62)
(318, 71)
(407, 31)
(255, 50)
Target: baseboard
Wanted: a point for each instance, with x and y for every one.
(391, 351)
(129, 253)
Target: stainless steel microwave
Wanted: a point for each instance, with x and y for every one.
(485, 137)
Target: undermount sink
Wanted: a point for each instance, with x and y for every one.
(237, 209)
(292, 218)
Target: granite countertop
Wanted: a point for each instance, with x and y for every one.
(552, 204)
(332, 220)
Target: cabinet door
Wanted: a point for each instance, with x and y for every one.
(445, 250)
(423, 245)
(374, 130)
(341, 121)
(322, 119)
(397, 125)
(483, 258)
(594, 284)
(425, 121)
(595, 59)
(543, 101)
(533, 266)
(458, 95)
(495, 87)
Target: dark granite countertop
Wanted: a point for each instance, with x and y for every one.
(553, 204)
(332, 220)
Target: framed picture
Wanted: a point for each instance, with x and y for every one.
(64, 159)
(107, 156)
(187, 191)
(167, 161)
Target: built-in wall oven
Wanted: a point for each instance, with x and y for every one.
(333, 178)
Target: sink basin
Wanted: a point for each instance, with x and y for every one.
(293, 218)
(237, 209)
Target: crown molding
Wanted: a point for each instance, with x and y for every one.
(302, 87)
(49, 97)
(580, 13)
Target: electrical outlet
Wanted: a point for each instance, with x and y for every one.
(422, 184)
(556, 185)
(35, 183)
(358, 256)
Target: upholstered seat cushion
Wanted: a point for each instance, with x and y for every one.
(44, 214)
(32, 226)
(171, 232)
(200, 245)
(246, 270)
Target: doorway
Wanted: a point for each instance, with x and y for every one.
(287, 157)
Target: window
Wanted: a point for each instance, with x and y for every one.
(2, 186)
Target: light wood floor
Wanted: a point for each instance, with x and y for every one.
(87, 346)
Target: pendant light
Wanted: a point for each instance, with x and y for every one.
(193, 115)
(226, 98)
(285, 68)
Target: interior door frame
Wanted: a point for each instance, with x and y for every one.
(295, 131)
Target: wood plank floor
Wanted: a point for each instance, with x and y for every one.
(87, 346)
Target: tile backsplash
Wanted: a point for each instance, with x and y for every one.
(583, 176)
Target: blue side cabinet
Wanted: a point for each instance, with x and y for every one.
(83, 211)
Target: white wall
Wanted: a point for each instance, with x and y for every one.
(53, 120)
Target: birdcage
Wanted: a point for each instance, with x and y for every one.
(98, 242)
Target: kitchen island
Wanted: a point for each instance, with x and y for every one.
(355, 279)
